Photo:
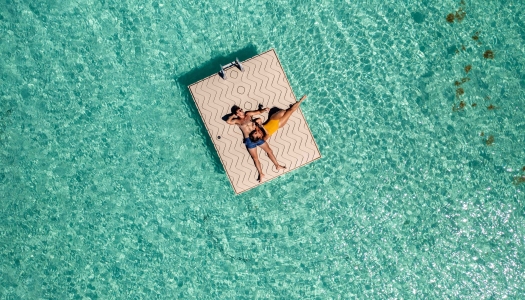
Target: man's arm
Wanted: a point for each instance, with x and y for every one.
(232, 120)
(257, 112)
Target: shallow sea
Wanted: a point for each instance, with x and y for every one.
(110, 187)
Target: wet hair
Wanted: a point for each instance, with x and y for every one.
(235, 108)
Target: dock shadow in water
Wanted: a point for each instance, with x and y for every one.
(204, 70)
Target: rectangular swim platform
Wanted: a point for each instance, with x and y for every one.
(262, 81)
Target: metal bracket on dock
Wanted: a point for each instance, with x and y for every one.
(236, 63)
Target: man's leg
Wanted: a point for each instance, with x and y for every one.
(268, 150)
(255, 157)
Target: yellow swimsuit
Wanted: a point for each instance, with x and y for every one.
(271, 127)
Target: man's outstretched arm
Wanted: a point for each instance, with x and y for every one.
(257, 112)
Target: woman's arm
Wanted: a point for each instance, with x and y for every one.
(261, 127)
(257, 120)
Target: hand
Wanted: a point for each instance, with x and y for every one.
(262, 108)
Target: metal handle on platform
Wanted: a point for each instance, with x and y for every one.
(236, 63)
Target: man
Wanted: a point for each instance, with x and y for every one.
(244, 120)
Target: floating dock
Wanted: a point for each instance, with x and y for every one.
(262, 81)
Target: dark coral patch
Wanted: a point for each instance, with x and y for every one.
(490, 140)
(488, 54)
(460, 14)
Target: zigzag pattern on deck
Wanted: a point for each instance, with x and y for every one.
(262, 82)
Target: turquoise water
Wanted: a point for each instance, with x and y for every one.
(110, 187)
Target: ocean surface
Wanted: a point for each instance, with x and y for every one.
(110, 187)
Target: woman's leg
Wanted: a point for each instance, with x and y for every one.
(284, 115)
(278, 115)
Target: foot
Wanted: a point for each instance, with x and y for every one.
(302, 98)
(296, 104)
(280, 167)
(261, 177)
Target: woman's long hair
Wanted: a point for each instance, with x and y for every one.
(256, 139)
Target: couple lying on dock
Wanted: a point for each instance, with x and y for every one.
(256, 133)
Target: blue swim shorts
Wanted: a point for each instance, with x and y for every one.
(250, 145)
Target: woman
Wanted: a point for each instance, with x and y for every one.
(276, 121)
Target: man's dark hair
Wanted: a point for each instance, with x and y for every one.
(235, 108)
